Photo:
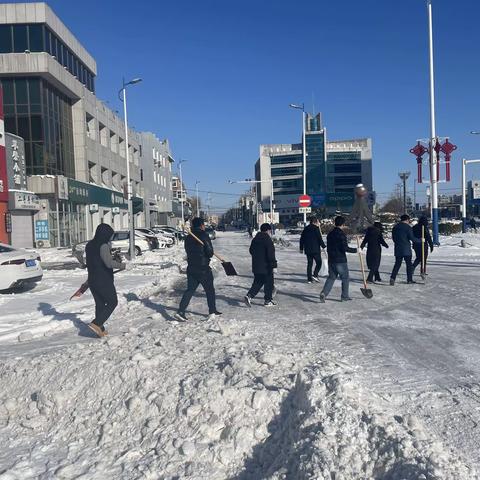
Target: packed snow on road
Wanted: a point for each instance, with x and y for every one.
(381, 388)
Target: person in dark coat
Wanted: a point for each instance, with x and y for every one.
(337, 247)
(417, 231)
(473, 224)
(100, 266)
(403, 238)
(262, 251)
(374, 241)
(198, 270)
(310, 242)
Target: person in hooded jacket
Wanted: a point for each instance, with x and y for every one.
(198, 270)
(100, 266)
(337, 247)
(310, 242)
(262, 251)
(374, 241)
(403, 238)
(417, 231)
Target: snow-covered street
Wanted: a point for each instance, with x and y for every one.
(386, 388)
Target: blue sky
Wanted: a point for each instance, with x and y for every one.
(219, 75)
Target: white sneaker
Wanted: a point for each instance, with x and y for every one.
(316, 279)
(247, 300)
(271, 303)
(180, 317)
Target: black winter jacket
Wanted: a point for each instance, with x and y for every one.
(417, 231)
(311, 240)
(374, 240)
(198, 256)
(262, 251)
(337, 246)
(403, 238)
(98, 273)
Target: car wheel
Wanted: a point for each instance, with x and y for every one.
(138, 251)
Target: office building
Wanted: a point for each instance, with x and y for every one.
(333, 168)
(75, 147)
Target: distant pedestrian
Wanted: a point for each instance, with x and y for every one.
(100, 266)
(337, 247)
(262, 251)
(374, 241)
(311, 242)
(403, 238)
(198, 270)
(473, 224)
(417, 231)
(250, 231)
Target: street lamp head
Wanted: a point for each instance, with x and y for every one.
(474, 132)
(134, 81)
(299, 107)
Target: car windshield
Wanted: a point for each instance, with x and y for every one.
(5, 249)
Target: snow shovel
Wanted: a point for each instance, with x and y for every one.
(227, 266)
(424, 260)
(84, 287)
(367, 292)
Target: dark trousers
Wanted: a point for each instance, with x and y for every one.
(105, 302)
(318, 265)
(374, 274)
(264, 280)
(398, 264)
(418, 260)
(194, 279)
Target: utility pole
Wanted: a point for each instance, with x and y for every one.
(404, 177)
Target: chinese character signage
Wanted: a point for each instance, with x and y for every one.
(15, 153)
(3, 162)
(84, 193)
(41, 230)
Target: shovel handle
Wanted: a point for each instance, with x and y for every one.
(361, 263)
(201, 243)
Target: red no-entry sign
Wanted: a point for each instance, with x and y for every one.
(304, 201)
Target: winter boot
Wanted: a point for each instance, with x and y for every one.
(96, 329)
(322, 297)
(248, 300)
(180, 317)
(392, 282)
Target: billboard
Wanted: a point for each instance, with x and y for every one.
(3, 159)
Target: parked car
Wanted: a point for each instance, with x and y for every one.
(179, 234)
(164, 239)
(120, 245)
(211, 233)
(18, 267)
(151, 237)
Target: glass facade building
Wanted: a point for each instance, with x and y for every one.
(21, 38)
(42, 116)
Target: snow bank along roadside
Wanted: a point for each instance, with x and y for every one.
(182, 401)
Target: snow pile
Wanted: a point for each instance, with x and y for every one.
(186, 403)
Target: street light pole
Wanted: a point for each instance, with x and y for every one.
(181, 191)
(304, 153)
(131, 223)
(198, 204)
(433, 135)
(404, 177)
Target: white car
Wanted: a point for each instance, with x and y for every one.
(18, 267)
(164, 240)
(121, 241)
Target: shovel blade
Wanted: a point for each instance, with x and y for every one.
(367, 292)
(80, 291)
(229, 269)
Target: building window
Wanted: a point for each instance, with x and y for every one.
(35, 38)
(6, 44)
(103, 131)
(20, 38)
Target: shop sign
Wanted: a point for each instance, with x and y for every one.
(344, 199)
(8, 222)
(15, 150)
(86, 194)
(23, 200)
(62, 187)
(41, 230)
